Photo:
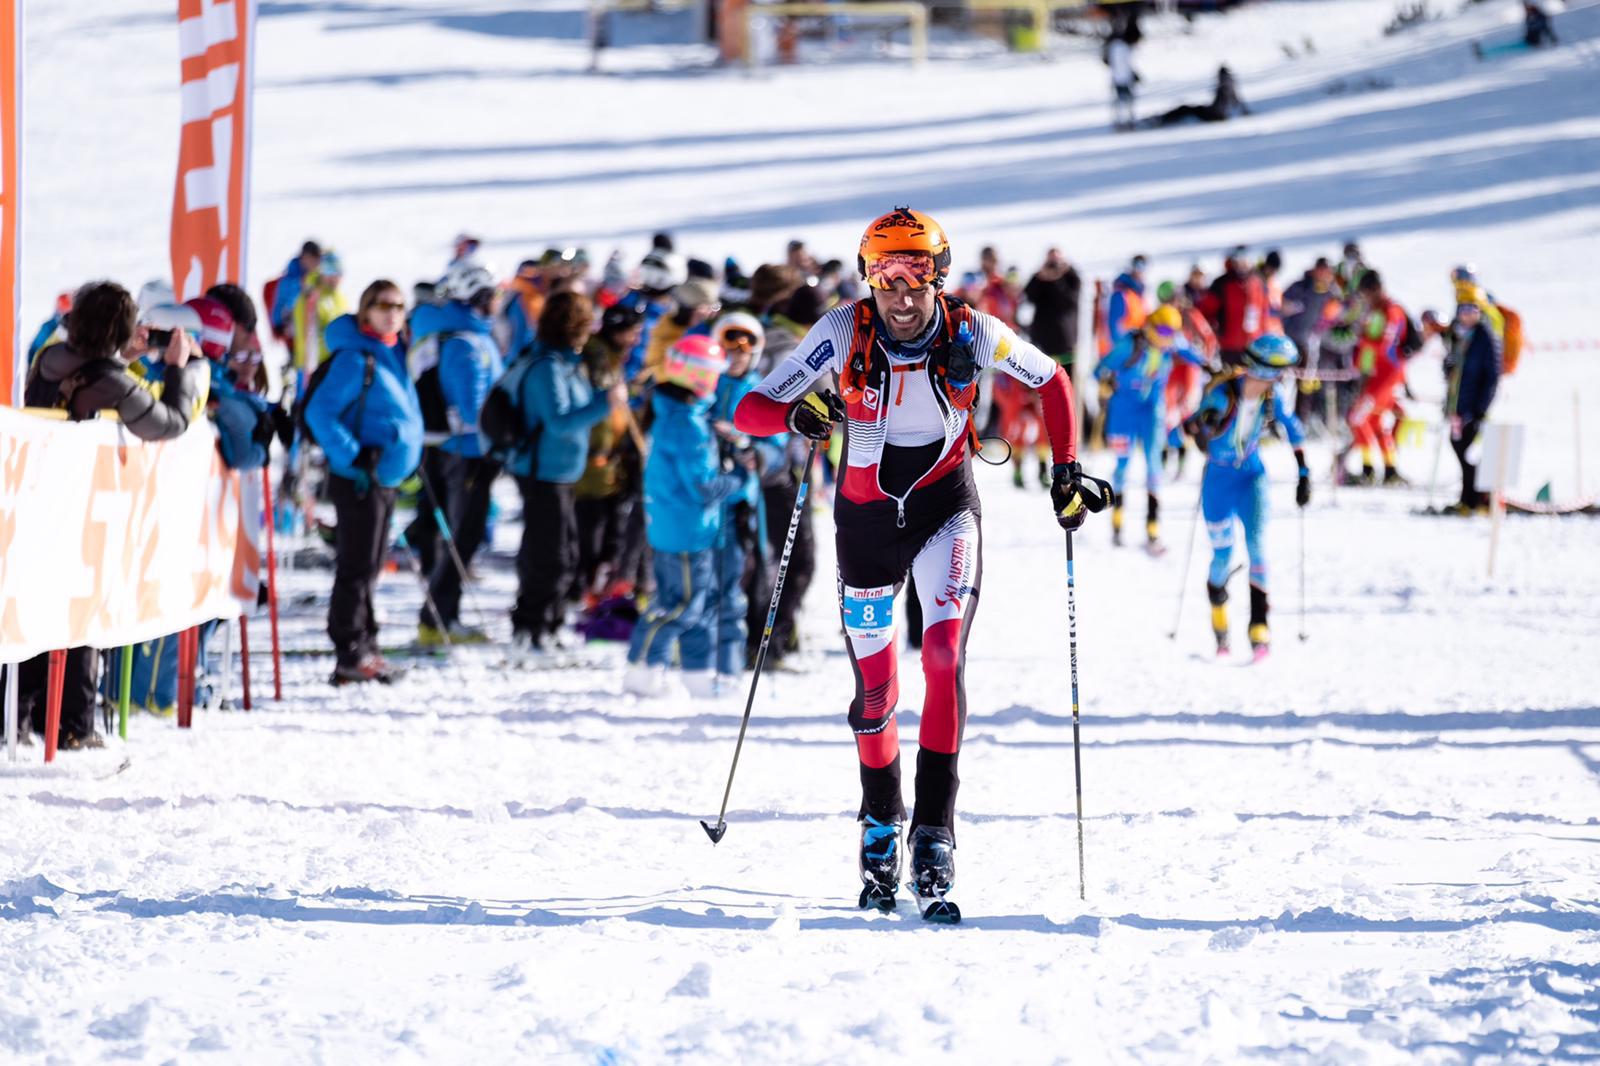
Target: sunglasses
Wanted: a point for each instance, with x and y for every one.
(883, 269)
(389, 305)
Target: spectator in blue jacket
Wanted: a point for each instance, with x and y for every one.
(741, 540)
(366, 417)
(559, 406)
(685, 487)
(1475, 366)
(458, 477)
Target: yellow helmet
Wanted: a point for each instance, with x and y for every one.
(1164, 326)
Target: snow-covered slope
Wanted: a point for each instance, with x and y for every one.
(1377, 847)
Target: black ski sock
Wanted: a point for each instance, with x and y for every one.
(880, 793)
(937, 782)
(1258, 606)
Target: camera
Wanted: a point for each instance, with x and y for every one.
(160, 338)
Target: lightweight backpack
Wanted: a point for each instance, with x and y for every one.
(320, 374)
(424, 363)
(1511, 343)
(502, 423)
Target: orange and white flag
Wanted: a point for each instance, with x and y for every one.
(13, 356)
(211, 204)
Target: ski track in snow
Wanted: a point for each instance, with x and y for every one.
(1381, 845)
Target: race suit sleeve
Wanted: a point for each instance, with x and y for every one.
(1283, 411)
(764, 411)
(997, 345)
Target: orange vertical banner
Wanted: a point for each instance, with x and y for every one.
(211, 203)
(12, 369)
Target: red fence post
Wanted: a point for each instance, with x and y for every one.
(54, 682)
(244, 657)
(186, 656)
(272, 586)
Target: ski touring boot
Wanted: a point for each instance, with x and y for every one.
(880, 864)
(1152, 530)
(1116, 520)
(1218, 595)
(1260, 638)
(933, 873)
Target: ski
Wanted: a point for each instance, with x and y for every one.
(937, 909)
(881, 897)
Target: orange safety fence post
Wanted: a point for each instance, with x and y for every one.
(244, 657)
(56, 680)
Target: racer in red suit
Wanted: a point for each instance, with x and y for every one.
(908, 360)
(1380, 327)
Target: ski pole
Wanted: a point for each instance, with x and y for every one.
(715, 831)
(427, 594)
(1304, 636)
(1188, 558)
(450, 542)
(1077, 760)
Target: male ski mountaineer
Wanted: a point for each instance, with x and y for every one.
(908, 361)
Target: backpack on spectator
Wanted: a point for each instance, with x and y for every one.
(244, 429)
(424, 362)
(303, 428)
(502, 423)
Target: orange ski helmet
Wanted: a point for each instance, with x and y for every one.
(902, 236)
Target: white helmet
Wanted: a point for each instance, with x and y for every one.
(154, 293)
(466, 279)
(173, 316)
(727, 329)
(662, 271)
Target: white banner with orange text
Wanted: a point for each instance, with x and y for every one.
(106, 540)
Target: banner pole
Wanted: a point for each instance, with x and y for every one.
(272, 588)
(11, 711)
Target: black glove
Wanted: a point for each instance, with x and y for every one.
(1302, 488)
(1074, 495)
(367, 459)
(283, 425)
(813, 415)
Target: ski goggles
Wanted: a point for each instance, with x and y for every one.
(1161, 336)
(916, 269)
(742, 339)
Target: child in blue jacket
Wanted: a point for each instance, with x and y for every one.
(684, 490)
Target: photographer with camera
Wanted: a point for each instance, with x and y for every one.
(84, 375)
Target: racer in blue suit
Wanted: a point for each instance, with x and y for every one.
(1234, 414)
(1136, 369)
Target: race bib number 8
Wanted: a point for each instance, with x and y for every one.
(869, 613)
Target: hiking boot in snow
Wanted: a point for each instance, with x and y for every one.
(86, 742)
(365, 669)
